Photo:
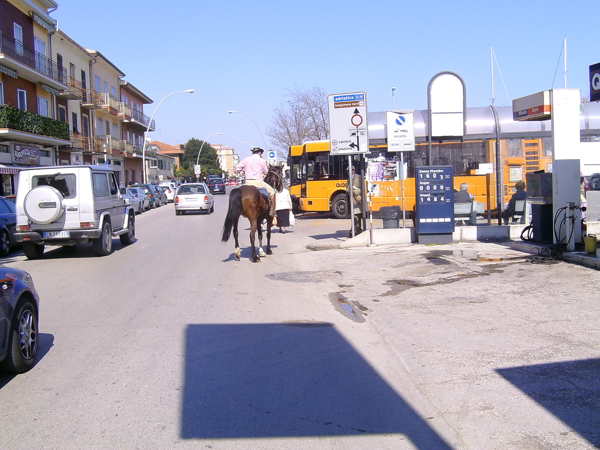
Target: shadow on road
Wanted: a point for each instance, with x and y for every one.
(46, 343)
(288, 380)
(339, 234)
(570, 390)
(246, 252)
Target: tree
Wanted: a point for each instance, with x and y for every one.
(209, 162)
(303, 117)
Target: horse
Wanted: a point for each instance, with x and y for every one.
(247, 201)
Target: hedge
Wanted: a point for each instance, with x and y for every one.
(17, 119)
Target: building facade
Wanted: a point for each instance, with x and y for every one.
(30, 81)
(228, 159)
(175, 151)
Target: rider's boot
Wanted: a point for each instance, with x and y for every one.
(272, 205)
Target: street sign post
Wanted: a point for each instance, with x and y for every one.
(348, 130)
(197, 170)
(271, 157)
(400, 131)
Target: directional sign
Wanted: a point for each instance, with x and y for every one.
(197, 169)
(271, 157)
(400, 131)
(348, 130)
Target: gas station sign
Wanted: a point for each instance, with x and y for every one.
(434, 214)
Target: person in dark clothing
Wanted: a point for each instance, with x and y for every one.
(463, 196)
(520, 194)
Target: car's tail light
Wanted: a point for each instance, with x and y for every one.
(86, 224)
(23, 227)
(206, 198)
(149, 195)
(177, 199)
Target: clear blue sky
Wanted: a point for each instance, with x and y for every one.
(243, 55)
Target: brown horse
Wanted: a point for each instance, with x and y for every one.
(247, 201)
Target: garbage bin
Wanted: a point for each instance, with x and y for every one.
(390, 215)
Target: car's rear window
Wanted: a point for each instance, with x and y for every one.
(192, 189)
(65, 184)
(215, 181)
(133, 192)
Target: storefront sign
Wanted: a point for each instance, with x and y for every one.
(26, 155)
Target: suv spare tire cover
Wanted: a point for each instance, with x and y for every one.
(43, 205)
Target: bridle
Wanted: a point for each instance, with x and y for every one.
(274, 172)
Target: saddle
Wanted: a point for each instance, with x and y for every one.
(264, 193)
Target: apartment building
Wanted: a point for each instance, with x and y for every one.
(30, 82)
(228, 159)
(175, 151)
(160, 167)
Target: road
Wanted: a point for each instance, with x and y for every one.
(171, 343)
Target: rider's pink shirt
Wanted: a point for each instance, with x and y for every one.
(254, 167)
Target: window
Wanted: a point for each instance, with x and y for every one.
(4, 208)
(45, 153)
(22, 99)
(4, 148)
(100, 185)
(98, 84)
(115, 129)
(75, 124)
(114, 91)
(65, 184)
(40, 56)
(105, 87)
(59, 63)
(1, 93)
(18, 35)
(113, 184)
(62, 113)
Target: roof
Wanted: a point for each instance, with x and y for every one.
(131, 87)
(167, 148)
(62, 33)
(97, 53)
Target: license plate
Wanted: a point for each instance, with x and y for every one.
(57, 234)
(193, 199)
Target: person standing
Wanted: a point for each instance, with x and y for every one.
(356, 214)
(255, 168)
(283, 206)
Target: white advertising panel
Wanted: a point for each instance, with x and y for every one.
(400, 131)
(348, 123)
(447, 105)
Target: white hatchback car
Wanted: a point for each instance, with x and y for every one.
(170, 189)
(194, 197)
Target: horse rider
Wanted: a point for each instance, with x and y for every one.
(255, 168)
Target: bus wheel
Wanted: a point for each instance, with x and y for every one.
(339, 206)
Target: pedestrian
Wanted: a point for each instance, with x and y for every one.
(520, 194)
(283, 206)
(255, 168)
(463, 196)
(357, 212)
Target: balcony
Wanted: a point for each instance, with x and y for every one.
(108, 144)
(124, 112)
(80, 143)
(109, 103)
(23, 125)
(91, 99)
(141, 120)
(31, 65)
(74, 90)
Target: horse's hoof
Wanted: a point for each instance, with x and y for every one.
(270, 252)
(237, 258)
(261, 252)
(257, 259)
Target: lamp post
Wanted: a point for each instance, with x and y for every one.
(215, 134)
(188, 91)
(263, 138)
(393, 99)
(244, 142)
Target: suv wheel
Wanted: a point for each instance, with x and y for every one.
(127, 238)
(33, 250)
(23, 340)
(4, 243)
(103, 245)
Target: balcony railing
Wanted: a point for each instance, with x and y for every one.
(106, 143)
(79, 142)
(19, 120)
(18, 51)
(74, 89)
(91, 99)
(142, 118)
(110, 102)
(124, 111)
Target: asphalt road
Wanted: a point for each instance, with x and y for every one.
(171, 343)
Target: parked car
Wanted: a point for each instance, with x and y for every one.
(68, 205)
(151, 194)
(162, 196)
(170, 189)
(141, 196)
(132, 201)
(19, 313)
(8, 223)
(194, 197)
(12, 198)
(216, 185)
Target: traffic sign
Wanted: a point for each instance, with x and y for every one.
(400, 131)
(348, 130)
(197, 170)
(271, 156)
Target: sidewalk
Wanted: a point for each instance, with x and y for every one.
(324, 232)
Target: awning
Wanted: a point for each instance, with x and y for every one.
(42, 21)
(49, 89)
(9, 72)
(11, 169)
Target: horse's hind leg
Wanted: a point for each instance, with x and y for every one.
(261, 252)
(255, 257)
(238, 252)
(269, 225)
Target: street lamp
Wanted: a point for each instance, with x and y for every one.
(244, 142)
(263, 138)
(215, 134)
(188, 91)
(393, 99)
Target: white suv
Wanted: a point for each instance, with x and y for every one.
(170, 189)
(68, 205)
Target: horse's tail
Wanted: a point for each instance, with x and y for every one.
(233, 213)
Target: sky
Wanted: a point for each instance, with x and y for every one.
(245, 56)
